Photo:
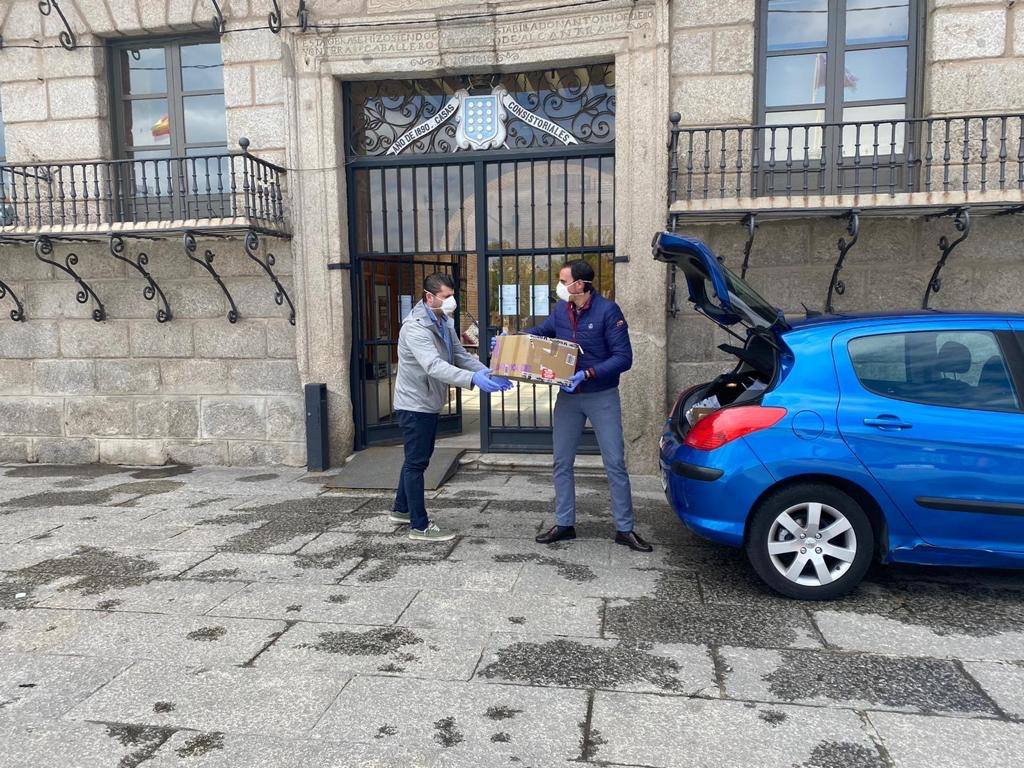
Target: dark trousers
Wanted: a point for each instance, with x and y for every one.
(419, 431)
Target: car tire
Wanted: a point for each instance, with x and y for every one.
(807, 560)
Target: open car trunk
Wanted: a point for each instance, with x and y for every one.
(728, 301)
(743, 385)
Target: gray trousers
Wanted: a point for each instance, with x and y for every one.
(605, 413)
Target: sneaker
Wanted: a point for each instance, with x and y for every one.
(432, 533)
(399, 518)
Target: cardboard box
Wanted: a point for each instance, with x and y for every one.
(696, 414)
(535, 359)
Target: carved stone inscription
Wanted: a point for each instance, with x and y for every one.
(584, 27)
(510, 36)
(361, 44)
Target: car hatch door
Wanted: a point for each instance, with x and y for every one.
(713, 289)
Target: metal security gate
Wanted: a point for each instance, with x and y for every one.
(378, 343)
(410, 222)
(502, 221)
(540, 213)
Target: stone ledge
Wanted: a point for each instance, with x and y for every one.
(171, 228)
(797, 206)
(475, 460)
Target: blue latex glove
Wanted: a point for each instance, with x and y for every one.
(494, 341)
(577, 378)
(483, 381)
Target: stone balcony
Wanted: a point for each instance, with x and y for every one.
(905, 167)
(217, 193)
(232, 195)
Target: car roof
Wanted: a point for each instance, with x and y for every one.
(837, 321)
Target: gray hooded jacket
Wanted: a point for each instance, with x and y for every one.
(425, 370)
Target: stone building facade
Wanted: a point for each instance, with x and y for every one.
(200, 389)
(131, 390)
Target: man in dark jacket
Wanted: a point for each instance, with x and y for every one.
(598, 326)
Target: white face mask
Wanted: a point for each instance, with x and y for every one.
(448, 306)
(562, 291)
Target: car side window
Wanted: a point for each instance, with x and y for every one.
(961, 369)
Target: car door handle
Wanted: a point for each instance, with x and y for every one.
(886, 421)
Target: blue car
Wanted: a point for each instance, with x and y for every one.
(837, 440)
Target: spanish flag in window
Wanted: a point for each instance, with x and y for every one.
(161, 127)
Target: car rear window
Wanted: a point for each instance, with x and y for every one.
(963, 369)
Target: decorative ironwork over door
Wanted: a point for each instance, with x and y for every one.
(424, 197)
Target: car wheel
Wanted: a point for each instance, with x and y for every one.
(810, 541)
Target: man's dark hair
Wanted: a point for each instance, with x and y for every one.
(581, 270)
(432, 283)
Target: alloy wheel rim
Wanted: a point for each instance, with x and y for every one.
(812, 544)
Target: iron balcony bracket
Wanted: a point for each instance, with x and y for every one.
(152, 290)
(962, 223)
(673, 287)
(44, 248)
(750, 220)
(219, 24)
(18, 313)
(274, 18)
(206, 262)
(835, 285)
(252, 246)
(67, 36)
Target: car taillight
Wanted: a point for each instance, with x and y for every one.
(721, 427)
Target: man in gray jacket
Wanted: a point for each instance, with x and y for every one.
(430, 359)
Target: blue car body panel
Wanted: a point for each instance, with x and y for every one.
(713, 508)
(948, 483)
(949, 463)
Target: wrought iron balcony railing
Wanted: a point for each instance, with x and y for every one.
(721, 165)
(227, 190)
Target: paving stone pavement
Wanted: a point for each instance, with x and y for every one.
(233, 618)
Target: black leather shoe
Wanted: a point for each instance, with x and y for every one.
(633, 541)
(556, 533)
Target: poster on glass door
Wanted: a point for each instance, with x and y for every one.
(509, 300)
(540, 301)
(404, 307)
